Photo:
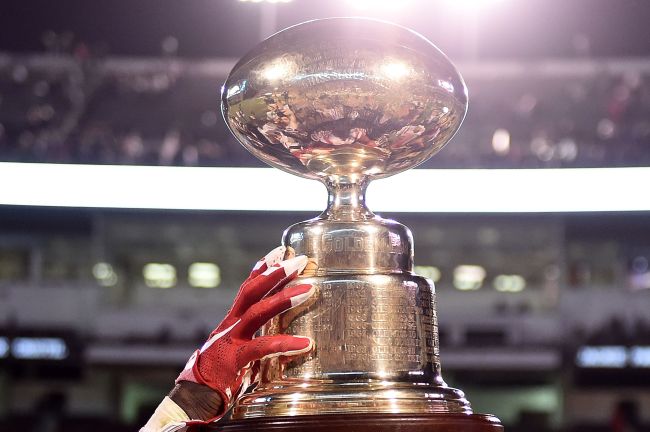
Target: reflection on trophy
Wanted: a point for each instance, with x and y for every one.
(345, 101)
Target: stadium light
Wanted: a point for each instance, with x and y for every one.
(266, 1)
(248, 189)
(468, 277)
(157, 275)
(613, 356)
(509, 283)
(640, 356)
(104, 274)
(472, 4)
(204, 275)
(44, 348)
(379, 5)
(501, 141)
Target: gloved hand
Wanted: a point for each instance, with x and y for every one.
(225, 362)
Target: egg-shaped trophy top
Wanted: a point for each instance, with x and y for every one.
(344, 100)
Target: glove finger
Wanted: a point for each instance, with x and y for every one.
(269, 260)
(261, 312)
(272, 278)
(240, 304)
(273, 346)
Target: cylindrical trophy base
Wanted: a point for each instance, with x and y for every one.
(366, 423)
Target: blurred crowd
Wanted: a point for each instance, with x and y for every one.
(617, 331)
(84, 114)
(74, 108)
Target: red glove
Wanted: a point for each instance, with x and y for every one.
(225, 361)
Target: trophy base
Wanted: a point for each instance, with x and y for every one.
(289, 399)
(365, 423)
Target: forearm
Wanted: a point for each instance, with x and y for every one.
(198, 401)
(187, 401)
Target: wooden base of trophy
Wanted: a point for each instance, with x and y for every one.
(365, 423)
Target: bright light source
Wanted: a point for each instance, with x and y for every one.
(613, 356)
(278, 69)
(509, 283)
(39, 348)
(430, 272)
(465, 191)
(395, 70)
(204, 275)
(602, 357)
(468, 277)
(159, 275)
(471, 4)
(379, 5)
(501, 141)
(640, 356)
(235, 89)
(104, 274)
(4, 347)
(447, 86)
(266, 1)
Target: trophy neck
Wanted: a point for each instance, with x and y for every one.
(371, 246)
(346, 200)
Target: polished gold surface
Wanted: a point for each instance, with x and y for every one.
(345, 101)
(344, 98)
(376, 351)
(379, 326)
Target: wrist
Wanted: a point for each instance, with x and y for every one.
(200, 402)
(167, 417)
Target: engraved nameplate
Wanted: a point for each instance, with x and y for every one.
(374, 324)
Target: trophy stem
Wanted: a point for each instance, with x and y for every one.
(346, 200)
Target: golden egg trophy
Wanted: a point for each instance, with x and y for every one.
(345, 101)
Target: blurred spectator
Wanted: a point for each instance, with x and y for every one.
(158, 112)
